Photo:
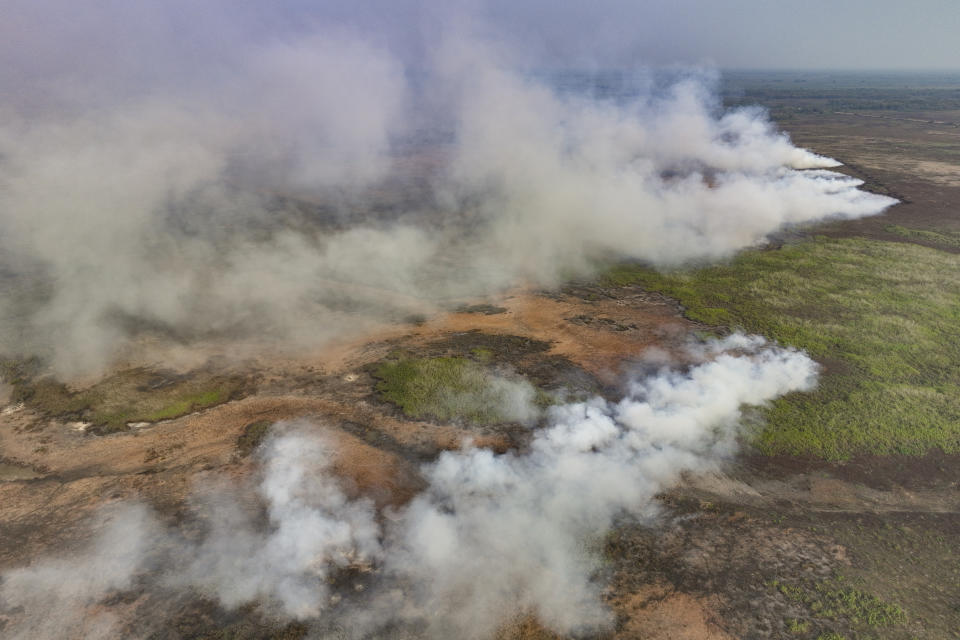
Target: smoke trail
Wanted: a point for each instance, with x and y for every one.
(493, 536)
(173, 174)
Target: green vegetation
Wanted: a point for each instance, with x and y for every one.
(136, 395)
(882, 317)
(187, 404)
(834, 600)
(817, 92)
(797, 626)
(938, 237)
(482, 354)
(447, 388)
(253, 434)
(910, 559)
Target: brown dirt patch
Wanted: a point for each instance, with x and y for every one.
(658, 612)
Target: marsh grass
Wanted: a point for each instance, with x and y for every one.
(454, 388)
(950, 239)
(135, 395)
(883, 318)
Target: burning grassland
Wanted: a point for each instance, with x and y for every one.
(267, 210)
(302, 338)
(522, 522)
(879, 315)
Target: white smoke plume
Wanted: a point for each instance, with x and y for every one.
(492, 536)
(314, 529)
(564, 180)
(185, 173)
(495, 535)
(58, 598)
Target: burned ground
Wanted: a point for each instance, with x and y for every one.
(781, 546)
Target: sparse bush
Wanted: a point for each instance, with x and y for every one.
(835, 600)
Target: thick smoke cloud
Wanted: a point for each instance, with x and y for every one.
(566, 180)
(491, 537)
(314, 530)
(222, 177)
(174, 176)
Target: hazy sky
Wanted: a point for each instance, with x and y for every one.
(43, 36)
(806, 34)
(811, 34)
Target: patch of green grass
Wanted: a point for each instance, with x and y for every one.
(834, 600)
(797, 626)
(136, 395)
(938, 237)
(451, 388)
(187, 404)
(482, 354)
(882, 316)
(253, 434)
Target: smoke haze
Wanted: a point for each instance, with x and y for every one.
(177, 176)
(492, 536)
(220, 177)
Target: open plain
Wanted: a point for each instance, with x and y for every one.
(838, 518)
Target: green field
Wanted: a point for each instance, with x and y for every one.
(881, 317)
(455, 388)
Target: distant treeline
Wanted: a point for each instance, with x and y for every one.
(813, 98)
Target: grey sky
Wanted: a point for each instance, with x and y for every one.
(811, 34)
(808, 34)
(47, 36)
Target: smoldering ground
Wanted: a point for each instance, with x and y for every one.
(490, 538)
(187, 175)
(222, 175)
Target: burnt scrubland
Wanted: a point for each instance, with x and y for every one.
(875, 302)
(837, 518)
